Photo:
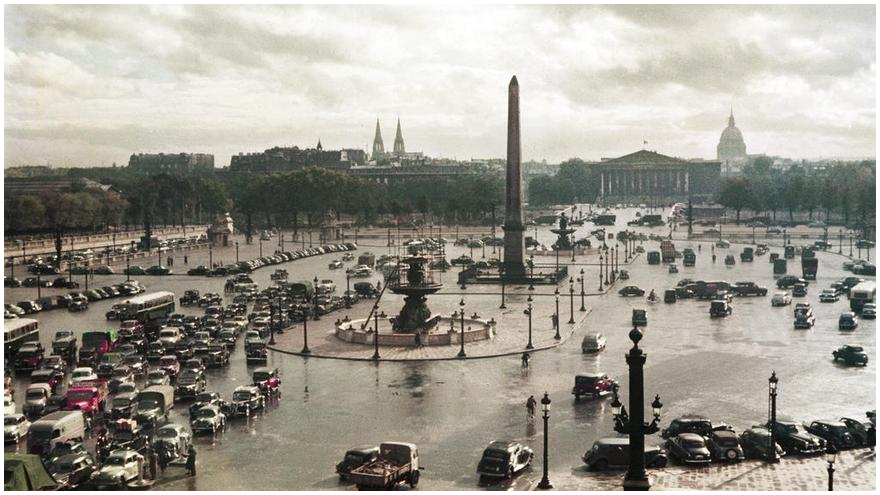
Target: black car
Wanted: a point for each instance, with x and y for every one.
(851, 354)
(245, 400)
(794, 439)
(688, 448)
(356, 458)
(834, 432)
(72, 470)
(205, 399)
(688, 424)
(503, 459)
(64, 344)
(78, 304)
(862, 431)
(612, 453)
(724, 446)
(718, 309)
(788, 281)
(755, 443)
(136, 363)
(189, 384)
(199, 270)
(631, 290)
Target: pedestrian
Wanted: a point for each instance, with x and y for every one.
(418, 338)
(154, 460)
(185, 259)
(191, 460)
(525, 359)
(530, 407)
(555, 319)
(871, 439)
(163, 459)
(699, 248)
(713, 257)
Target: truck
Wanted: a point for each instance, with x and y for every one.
(780, 266)
(689, 258)
(861, 294)
(667, 251)
(653, 258)
(747, 254)
(398, 462)
(605, 219)
(809, 267)
(368, 259)
(155, 403)
(100, 341)
(87, 396)
(64, 344)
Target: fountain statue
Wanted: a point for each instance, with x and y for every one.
(415, 315)
(563, 241)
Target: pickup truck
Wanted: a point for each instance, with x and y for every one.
(748, 289)
(398, 462)
(87, 396)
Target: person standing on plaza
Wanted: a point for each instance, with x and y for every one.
(185, 259)
(525, 359)
(191, 460)
(530, 407)
(154, 460)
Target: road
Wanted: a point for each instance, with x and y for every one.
(452, 410)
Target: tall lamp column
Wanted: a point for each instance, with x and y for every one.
(545, 484)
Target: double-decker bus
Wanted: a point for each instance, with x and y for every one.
(862, 293)
(147, 307)
(17, 331)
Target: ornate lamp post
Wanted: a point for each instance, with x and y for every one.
(376, 327)
(127, 266)
(571, 300)
(532, 262)
(305, 349)
(607, 265)
(600, 270)
(272, 321)
(529, 313)
(626, 248)
(581, 280)
(316, 298)
(545, 484)
(461, 353)
(211, 256)
(236, 252)
(840, 242)
(830, 458)
(556, 316)
(773, 382)
(501, 274)
(347, 289)
(636, 477)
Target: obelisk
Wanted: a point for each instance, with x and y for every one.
(514, 244)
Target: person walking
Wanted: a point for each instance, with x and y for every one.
(163, 459)
(185, 259)
(154, 460)
(525, 359)
(191, 460)
(530, 407)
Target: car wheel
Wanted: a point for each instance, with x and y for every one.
(659, 462)
(730, 455)
(601, 465)
(414, 479)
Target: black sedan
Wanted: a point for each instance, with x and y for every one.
(724, 446)
(688, 448)
(755, 443)
(851, 354)
(205, 399)
(794, 439)
(834, 432)
(631, 290)
(862, 431)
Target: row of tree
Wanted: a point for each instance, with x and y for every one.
(88, 210)
(848, 189)
(576, 181)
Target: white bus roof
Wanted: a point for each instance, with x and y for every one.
(868, 285)
(16, 323)
(142, 298)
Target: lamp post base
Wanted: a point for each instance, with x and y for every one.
(640, 485)
(305, 350)
(545, 484)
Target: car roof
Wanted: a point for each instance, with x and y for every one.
(502, 445)
(830, 422)
(612, 441)
(590, 375)
(690, 436)
(724, 433)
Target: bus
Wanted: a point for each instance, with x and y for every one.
(862, 293)
(17, 331)
(148, 307)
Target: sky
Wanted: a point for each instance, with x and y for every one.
(90, 85)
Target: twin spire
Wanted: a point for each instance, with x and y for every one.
(379, 146)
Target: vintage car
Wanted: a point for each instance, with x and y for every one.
(504, 459)
(834, 432)
(72, 470)
(631, 290)
(639, 317)
(123, 405)
(847, 321)
(593, 342)
(119, 468)
(158, 377)
(173, 438)
(670, 296)
(688, 424)
(859, 431)
(246, 399)
(748, 289)
(256, 351)
(136, 363)
(688, 448)
(829, 295)
(208, 419)
(50, 376)
(206, 399)
(781, 299)
(613, 452)
(789, 281)
(189, 384)
(869, 311)
(190, 297)
(268, 381)
(15, 427)
(755, 443)
(170, 364)
(730, 260)
(119, 375)
(720, 309)
(799, 290)
(724, 446)
(592, 385)
(851, 354)
(804, 319)
(794, 439)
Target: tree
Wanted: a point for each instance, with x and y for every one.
(735, 193)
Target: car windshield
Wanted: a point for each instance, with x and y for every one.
(84, 395)
(167, 433)
(243, 395)
(121, 402)
(34, 394)
(693, 444)
(10, 420)
(120, 372)
(792, 429)
(115, 460)
(206, 412)
(82, 373)
(495, 455)
(854, 348)
(62, 467)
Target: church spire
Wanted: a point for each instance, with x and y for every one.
(730, 121)
(378, 146)
(399, 148)
(319, 147)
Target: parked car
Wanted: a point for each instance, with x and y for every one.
(851, 354)
(158, 377)
(869, 311)
(781, 299)
(724, 446)
(789, 281)
(748, 289)
(592, 385)
(613, 452)
(504, 459)
(246, 399)
(206, 399)
(119, 468)
(847, 321)
(829, 295)
(173, 438)
(688, 448)
(799, 290)
(833, 432)
(593, 342)
(15, 427)
(755, 443)
(208, 419)
(794, 439)
(631, 290)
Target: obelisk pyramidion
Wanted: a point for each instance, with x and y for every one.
(514, 244)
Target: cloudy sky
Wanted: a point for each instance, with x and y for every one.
(91, 85)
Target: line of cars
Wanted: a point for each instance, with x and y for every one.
(248, 266)
(73, 301)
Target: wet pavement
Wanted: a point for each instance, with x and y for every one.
(453, 409)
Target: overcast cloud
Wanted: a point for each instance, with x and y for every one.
(86, 85)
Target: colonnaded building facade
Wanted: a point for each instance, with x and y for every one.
(648, 176)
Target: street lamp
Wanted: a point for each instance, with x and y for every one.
(236, 252)
(840, 242)
(376, 327)
(571, 299)
(600, 270)
(529, 312)
(316, 299)
(773, 383)
(556, 316)
(545, 484)
(581, 280)
(461, 353)
(305, 349)
(272, 322)
(607, 265)
(532, 262)
(501, 274)
(347, 289)
(636, 477)
(127, 267)
(830, 458)
(211, 256)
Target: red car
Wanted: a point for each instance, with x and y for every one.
(592, 385)
(129, 328)
(170, 364)
(267, 380)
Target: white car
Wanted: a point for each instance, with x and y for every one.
(829, 295)
(120, 467)
(8, 405)
(781, 299)
(869, 311)
(593, 342)
(84, 374)
(15, 427)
